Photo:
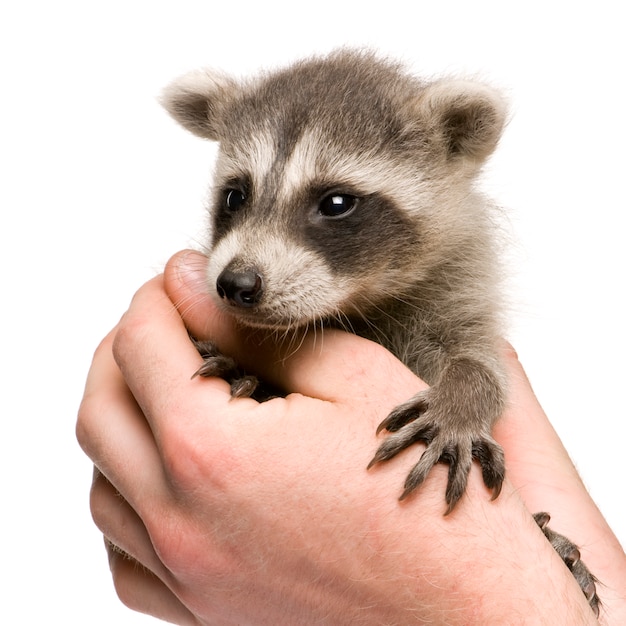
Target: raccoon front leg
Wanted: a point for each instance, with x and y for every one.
(454, 419)
(570, 554)
(217, 364)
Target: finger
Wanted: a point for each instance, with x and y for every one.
(187, 417)
(112, 431)
(187, 287)
(141, 590)
(121, 525)
(157, 360)
(332, 365)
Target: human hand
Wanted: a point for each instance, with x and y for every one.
(263, 513)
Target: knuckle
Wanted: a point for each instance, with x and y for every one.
(183, 463)
(130, 332)
(124, 573)
(175, 545)
(192, 463)
(82, 428)
(91, 405)
(180, 544)
(87, 423)
(98, 503)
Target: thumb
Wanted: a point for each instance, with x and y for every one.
(330, 365)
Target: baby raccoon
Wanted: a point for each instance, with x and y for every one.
(344, 196)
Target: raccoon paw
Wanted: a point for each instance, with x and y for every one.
(570, 554)
(457, 446)
(217, 364)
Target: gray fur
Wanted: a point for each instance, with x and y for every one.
(411, 264)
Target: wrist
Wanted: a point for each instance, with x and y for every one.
(486, 562)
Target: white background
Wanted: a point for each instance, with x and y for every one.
(98, 187)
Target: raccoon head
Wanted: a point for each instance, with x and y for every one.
(341, 182)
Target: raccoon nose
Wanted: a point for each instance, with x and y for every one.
(242, 289)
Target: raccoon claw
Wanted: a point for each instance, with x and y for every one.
(459, 459)
(570, 554)
(443, 445)
(458, 471)
(220, 366)
(243, 387)
(216, 364)
(402, 415)
(491, 459)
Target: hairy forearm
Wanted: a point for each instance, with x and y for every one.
(546, 479)
(486, 563)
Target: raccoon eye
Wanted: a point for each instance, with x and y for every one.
(337, 205)
(234, 199)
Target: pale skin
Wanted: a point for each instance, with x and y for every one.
(248, 513)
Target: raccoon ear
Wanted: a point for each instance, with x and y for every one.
(466, 117)
(196, 99)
